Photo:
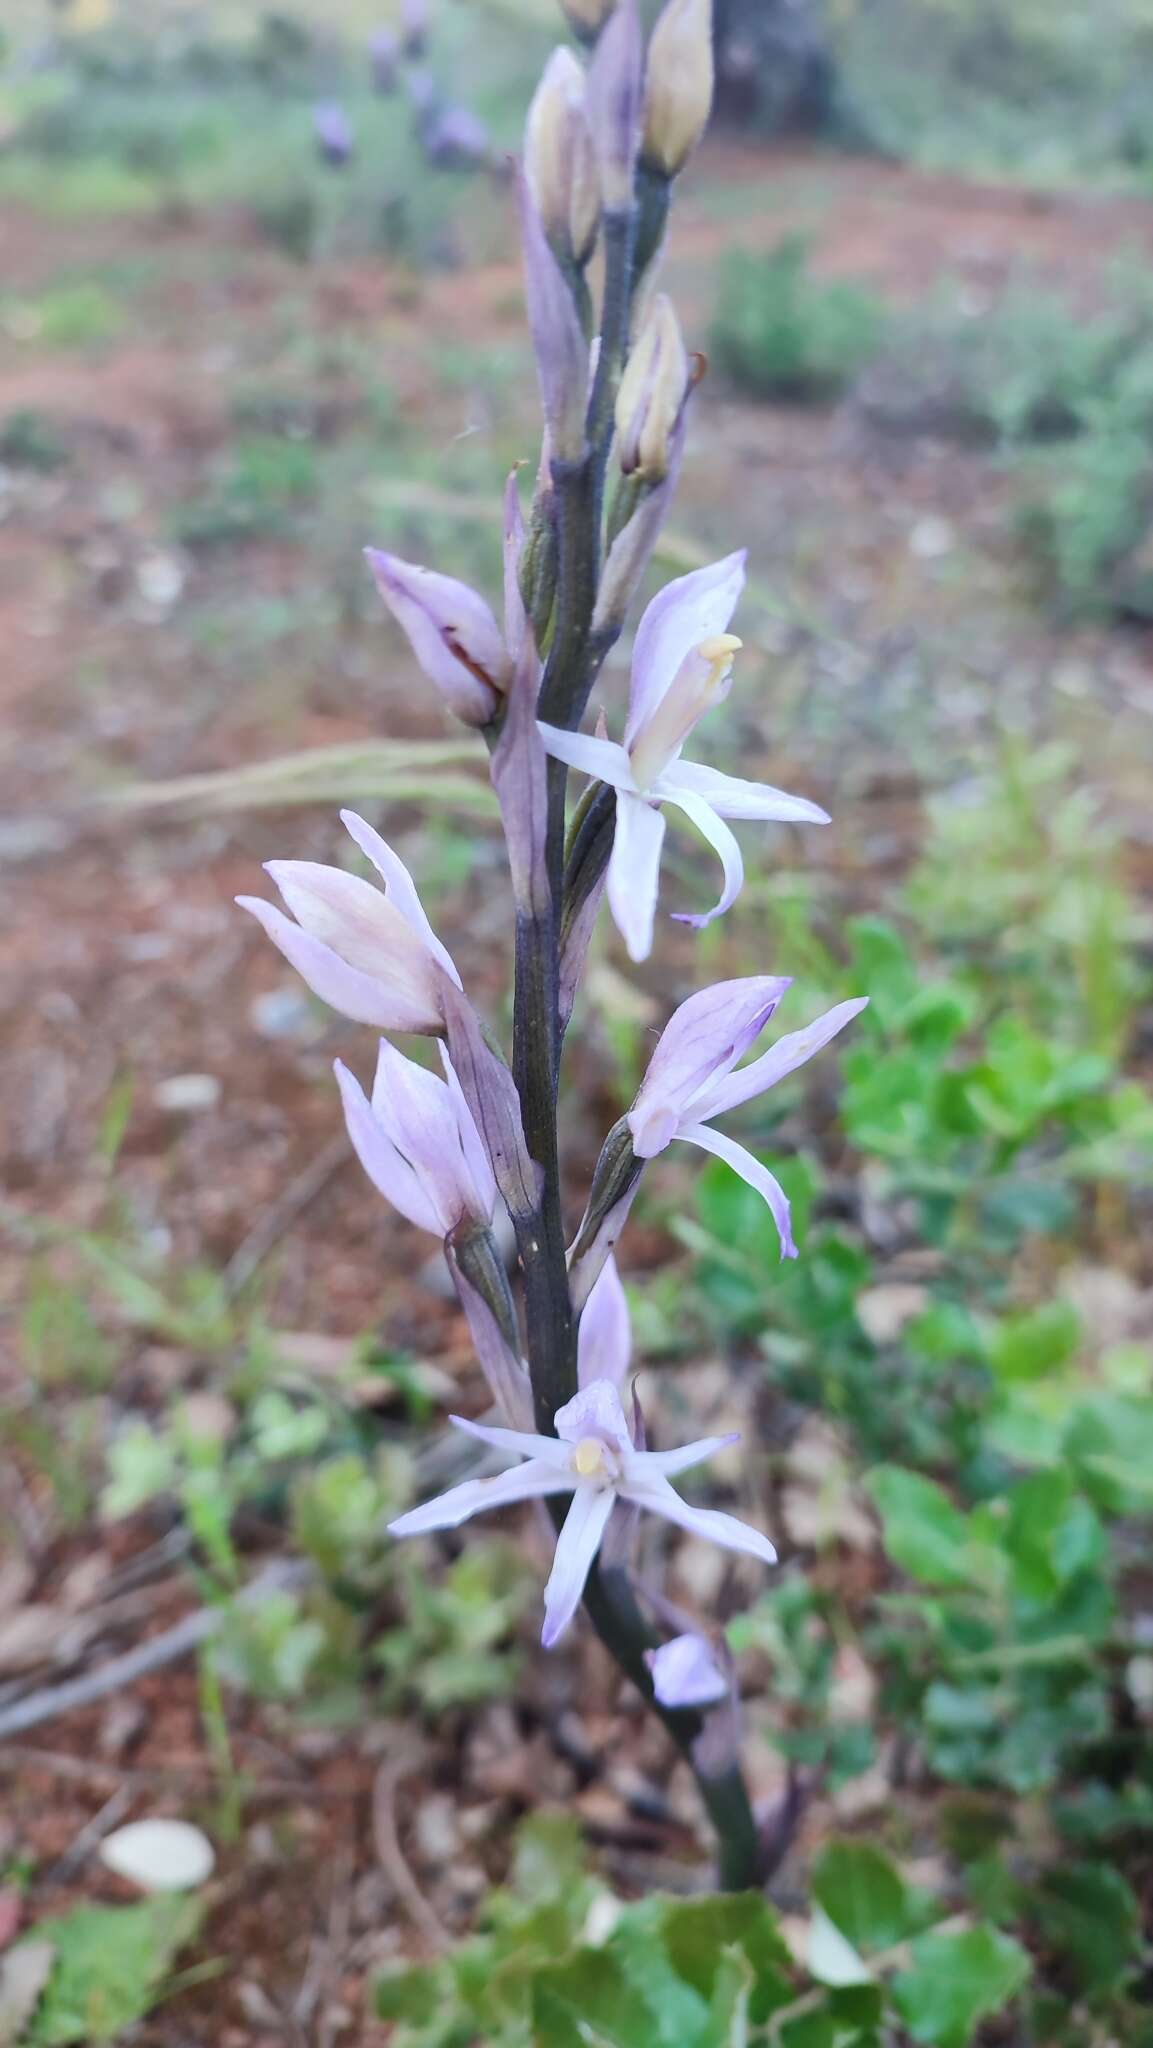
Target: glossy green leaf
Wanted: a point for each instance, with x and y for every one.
(956, 1980)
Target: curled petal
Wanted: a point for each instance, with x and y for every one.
(577, 1545)
(477, 1496)
(686, 1455)
(389, 1001)
(702, 1040)
(655, 1494)
(633, 880)
(723, 843)
(751, 1171)
(694, 608)
(546, 1450)
(686, 1673)
(595, 1411)
(451, 631)
(730, 797)
(604, 760)
(401, 887)
(604, 1340)
(781, 1059)
(388, 1170)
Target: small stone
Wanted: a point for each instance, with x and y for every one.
(187, 1094)
(160, 1855)
(931, 538)
(884, 1311)
(284, 1013)
(436, 1830)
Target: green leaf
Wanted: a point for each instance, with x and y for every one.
(1034, 1343)
(550, 1856)
(956, 1980)
(1092, 1919)
(111, 1962)
(863, 1894)
(924, 1533)
(698, 1932)
(590, 1999)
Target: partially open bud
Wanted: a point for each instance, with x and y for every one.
(588, 17)
(452, 633)
(679, 84)
(652, 395)
(560, 162)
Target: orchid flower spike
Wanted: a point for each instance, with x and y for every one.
(693, 1076)
(369, 953)
(452, 633)
(418, 1143)
(686, 1673)
(593, 1458)
(682, 666)
(604, 1339)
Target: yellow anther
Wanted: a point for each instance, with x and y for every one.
(721, 648)
(588, 1457)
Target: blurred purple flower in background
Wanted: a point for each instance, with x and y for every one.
(333, 131)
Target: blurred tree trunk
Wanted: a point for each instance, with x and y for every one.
(775, 66)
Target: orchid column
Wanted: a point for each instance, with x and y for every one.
(606, 139)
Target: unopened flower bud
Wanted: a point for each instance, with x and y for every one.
(652, 395)
(588, 17)
(613, 98)
(558, 338)
(679, 84)
(452, 633)
(560, 162)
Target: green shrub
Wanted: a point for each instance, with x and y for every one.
(779, 333)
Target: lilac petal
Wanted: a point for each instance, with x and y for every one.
(451, 631)
(365, 998)
(724, 845)
(477, 1496)
(751, 1171)
(424, 1119)
(781, 1059)
(659, 1498)
(576, 1547)
(686, 1673)
(696, 607)
(477, 1161)
(595, 1411)
(702, 1040)
(604, 1340)
(514, 613)
(730, 797)
(546, 1450)
(633, 879)
(557, 336)
(685, 1456)
(602, 759)
(401, 887)
(385, 1166)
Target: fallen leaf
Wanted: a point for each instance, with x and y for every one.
(24, 1972)
(159, 1855)
(28, 1637)
(884, 1311)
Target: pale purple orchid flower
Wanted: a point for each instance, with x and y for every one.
(452, 633)
(593, 1458)
(682, 666)
(693, 1076)
(605, 1338)
(686, 1673)
(369, 953)
(418, 1143)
